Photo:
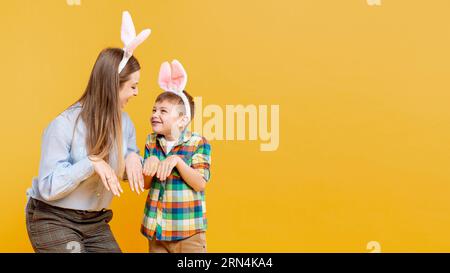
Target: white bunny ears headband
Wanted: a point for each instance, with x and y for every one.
(129, 38)
(173, 78)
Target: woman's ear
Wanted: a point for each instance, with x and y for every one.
(121, 87)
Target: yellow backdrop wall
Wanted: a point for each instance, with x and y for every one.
(363, 95)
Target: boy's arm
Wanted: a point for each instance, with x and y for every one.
(197, 175)
(147, 182)
(191, 176)
(151, 163)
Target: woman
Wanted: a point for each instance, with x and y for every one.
(85, 152)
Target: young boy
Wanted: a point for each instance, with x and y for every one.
(176, 169)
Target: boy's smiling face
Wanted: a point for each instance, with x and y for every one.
(166, 119)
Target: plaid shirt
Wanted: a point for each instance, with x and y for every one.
(173, 210)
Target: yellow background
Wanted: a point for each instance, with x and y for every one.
(364, 114)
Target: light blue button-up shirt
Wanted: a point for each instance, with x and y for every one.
(66, 176)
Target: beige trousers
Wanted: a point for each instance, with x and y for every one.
(194, 244)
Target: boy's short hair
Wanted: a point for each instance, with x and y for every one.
(175, 99)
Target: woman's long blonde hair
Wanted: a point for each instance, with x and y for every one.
(101, 111)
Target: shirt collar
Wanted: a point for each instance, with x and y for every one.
(184, 137)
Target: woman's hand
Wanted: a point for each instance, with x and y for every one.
(151, 166)
(133, 167)
(107, 175)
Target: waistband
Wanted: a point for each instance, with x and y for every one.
(75, 215)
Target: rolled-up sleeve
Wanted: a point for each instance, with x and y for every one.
(201, 160)
(58, 175)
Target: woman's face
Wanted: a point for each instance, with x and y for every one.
(129, 89)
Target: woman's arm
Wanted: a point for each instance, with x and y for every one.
(58, 176)
(133, 160)
(131, 137)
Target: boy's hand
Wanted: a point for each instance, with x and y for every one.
(151, 166)
(166, 166)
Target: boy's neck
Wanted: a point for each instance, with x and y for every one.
(171, 137)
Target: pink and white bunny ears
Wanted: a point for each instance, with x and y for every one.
(129, 38)
(173, 78)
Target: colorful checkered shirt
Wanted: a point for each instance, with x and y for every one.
(173, 210)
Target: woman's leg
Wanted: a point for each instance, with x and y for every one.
(98, 235)
(53, 229)
(49, 232)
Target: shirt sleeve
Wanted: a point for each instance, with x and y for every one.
(131, 138)
(149, 147)
(58, 175)
(201, 160)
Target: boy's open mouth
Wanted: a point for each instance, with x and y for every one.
(155, 122)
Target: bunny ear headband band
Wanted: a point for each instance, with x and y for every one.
(173, 78)
(129, 38)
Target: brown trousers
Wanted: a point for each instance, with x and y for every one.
(194, 244)
(58, 230)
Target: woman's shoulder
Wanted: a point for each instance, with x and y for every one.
(127, 124)
(126, 118)
(66, 119)
(72, 112)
